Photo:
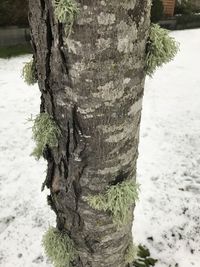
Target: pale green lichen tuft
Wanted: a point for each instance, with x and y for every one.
(29, 73)
(131, 253)
(118, 200)
(45, 133)
(65, 11)
(161, 48)
(58, 247)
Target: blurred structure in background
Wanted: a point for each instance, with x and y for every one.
(176, 14)
(169, 7)
(196, 4)
(13, 35)
(185, 7)
(14, 12)
(14, 23)
(14, 28)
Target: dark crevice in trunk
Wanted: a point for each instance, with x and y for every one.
(75, 128)
(61, 50)
(51, 204)
(90, 244)
(50, 172)
(121, 177)
(78, 139)
(48, 61)
(42, 3)
(42, 104)
(64, 164)
(75, 118)
(68, 141)
(60, 221)
(139, 95)
(77, 165)
(34, 48)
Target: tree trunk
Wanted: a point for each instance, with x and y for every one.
(92, 85)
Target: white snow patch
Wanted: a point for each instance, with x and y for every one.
(24, 214)
(169, 163)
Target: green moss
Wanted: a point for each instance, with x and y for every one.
(65, 11)
(131, 253)
(45, 133)
(58, 247)
(161, 48)
(117, 200)
(29, 73)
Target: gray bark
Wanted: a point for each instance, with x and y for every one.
(92, 84)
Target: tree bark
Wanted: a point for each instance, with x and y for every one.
(92, 84)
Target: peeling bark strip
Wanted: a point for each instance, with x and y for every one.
(92, 85)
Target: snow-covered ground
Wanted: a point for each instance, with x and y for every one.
(167, 217)
(168, 213)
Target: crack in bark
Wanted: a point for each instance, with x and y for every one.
(48, 60)
(68, 142)
(42, 3)
(121, 177)
(77, 165)
(50, 172)
(42, 104)
(61, 47)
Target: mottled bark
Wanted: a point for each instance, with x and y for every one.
(92, 84)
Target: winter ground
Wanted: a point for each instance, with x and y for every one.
(167, 217)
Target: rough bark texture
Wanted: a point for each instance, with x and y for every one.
(92, 84)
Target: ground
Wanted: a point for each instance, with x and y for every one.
(167, 217)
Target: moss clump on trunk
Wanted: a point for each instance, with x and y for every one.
(58, 247)
(161, 48)
(29, 73)
(117, 200)
(65, 11)
(131, 253)
(45, 133)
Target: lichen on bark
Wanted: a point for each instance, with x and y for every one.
(59, 247)
(131, 252)
(161, 48)
(65, 10)
(45, 134)
(117, 200)
(29, 72)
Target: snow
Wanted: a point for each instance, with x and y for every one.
(167, 217)
(168, 165)
(24, 214)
